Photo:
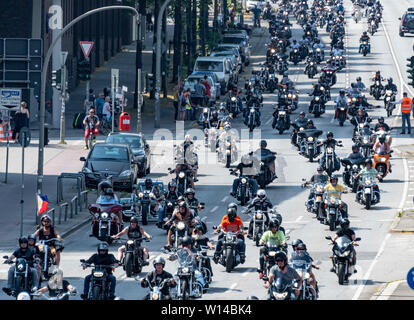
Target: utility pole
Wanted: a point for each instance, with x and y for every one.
(63, 98)
(138, 62)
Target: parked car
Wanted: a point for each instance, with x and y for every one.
(251, 3)
(221, 66)
(232, 57)
(240, 40)
(234, 50)
(139, 146)
(237, 31)
(111, 160)
(192, 80)
(214, 77)
(407, 22)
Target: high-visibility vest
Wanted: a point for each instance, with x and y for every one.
(406, 105)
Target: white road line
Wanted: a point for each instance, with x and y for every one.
(234, 285)
(404, 194)
(225, 198)
(247, 272)
(298, 219)
(214, 209)
(268, 121)
(371, 267)
(385, 220)
(389, 290)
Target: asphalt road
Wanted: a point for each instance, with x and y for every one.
(285, 192)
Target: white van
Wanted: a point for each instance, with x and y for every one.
(221, 66)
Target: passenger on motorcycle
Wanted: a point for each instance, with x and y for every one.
(377, 77)
(249, 166)
(364, 38)
(29, 255)
(381, 125)
(158, 275)
(282, 269)
(91, 123)
(266, 156)
(31, 238)
(300, 254)
(101, 258)
(184, 167)
(231, 222)
(276, 237)
(48, 231)
(261, 202)
(337, 190)
(360, 85)
(183, 213)
(381, 146)
(369, 172)
(106, 194)
(350, 234)
(134, 231)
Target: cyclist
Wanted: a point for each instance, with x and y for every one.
(91, 123)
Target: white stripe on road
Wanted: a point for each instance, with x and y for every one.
(298, 219)
(234, 285)
(268, 121)
(247, 272)
(389, 290)
(371, 267)
(224, 199)
(214, 209)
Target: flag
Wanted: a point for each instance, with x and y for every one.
(42, 202)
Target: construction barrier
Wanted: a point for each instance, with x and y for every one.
(3, 136)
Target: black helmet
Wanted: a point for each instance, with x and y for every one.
(381, 138)
(134, 219)
(281, 256)
(358, 79)
(334, 178)
(296, 242)
(263, 143)
(329, 134)
(279, 218)
(199, 228)
(389, 80)
(319, 168)
(23, 240)
(180, 199)
(274, 224)
(344, 223)
(365, 33)
(310, 122)
(189, 190)
(31, 237)
(231, 214)
(381, 119)
(368, 161)
(341, 91)
(355, 146)
(182, 204)
(186, 240)
(104, 185)
(148, 182)
(158, 260)
(172, 184)
(109, 191)
(103, 246)
(232, 205)
(301, 246)
(353, 85)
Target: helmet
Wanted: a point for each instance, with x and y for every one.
(172, 184)
(341, 91)
(104, 185)
(382, 138)
(296, 242)
(231, 214)
(222, 107)
(358, 79)
(368, 161)
(186, 240)
(319, 168)
(45, 217)
(344, 223)
(281, 256)
(180, 199)
(334, 178)
(381, 119)
(329, 134)
(232, 205)
(301, 246)
(355, 146)
(134, 219)
(378, 72)
(263, 143)
(353, 85)
(31, 237)
(279, 218)
(103, 246)
(261, 194)
(158, 260)
(148, 182)
(310, 122)
(199, 228)
(246, 159)
(364, 33)
(274, 224)
(389, 80)
(23, 240)
(214, 114)
(252, 298)
(189, 190)
(182, 204)
(109, 191)
(302, 113)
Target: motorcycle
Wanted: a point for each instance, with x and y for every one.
(366, 194)
(281, 289)
(265, 176)
(105, 222)
(272, 247)
(183, 179)
(309, 145)
(377, 90)
(188, 286)
(227, 151)
(244, 192)
(364, 48)
(252, 118)
(22, 276)
(307, 292)
(37, 295)
(259, 226)
(319, 55)
(295, 57)
(133, 260)
(316, 205)
(283, 121)
(382, 164)
(181, 230)
(317, 106)
(341, 258)
(342, 114)
(229, 256)
(295, 138)
(352, 168)
(233, 106)
(271, 82)
(311, 69)
(47, 255)
(333, 214)
(389, 97)
(329, 163)
(146, 202)
(156, 290)
(99, 287)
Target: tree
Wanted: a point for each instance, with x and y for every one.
(178, 27)
(156, 10)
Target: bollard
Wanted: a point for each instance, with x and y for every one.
(51, 212)
(75, 198)
(65, 204)
(84, 197)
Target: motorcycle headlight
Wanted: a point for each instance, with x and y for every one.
(98, 274)
(151, 195)
(96, 215)
(228, 144)
(355, 167)
(205, 110)
(259, 216)
(180, 225)
(337, 57)
(316, 98)
(388, 98)
(318, 50)
(377, 83)
(310, 139)
(233, 99)
(353, 99)
(280, 296)
(229, 238)
(272, 253)
(311, 63)
(270, 76)
(140, 194)
(289, 95)
(125, 173)
(20, 267)
(349, 100)
(322, 88)
(251, 110)
(383, 159)
(294, 96)
(130, 242)
(104, 215)
(367, 181)
(181, 174)
(243, 180)
(361, 125)
(286, 28)
(213, 130)
(155, 296)
(272, 50)
(250, 83)
(307, 275)
(186, 270)
(342, 109)
(345, 254)
(329, 150)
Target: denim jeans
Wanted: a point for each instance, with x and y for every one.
(10, 279)
(111, 279)
(161, 213)
(406, 118)
(241, 246)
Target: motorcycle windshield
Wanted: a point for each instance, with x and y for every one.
(273, 244)
(184, 258)
(343, 243)
(281, 284)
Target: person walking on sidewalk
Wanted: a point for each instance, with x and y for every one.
(181, 103)
(207, 95)
(197, 97)
(21, 120)
(256, 16)
(187, 104)
(406, 107)
(100, 101)
(176, 101)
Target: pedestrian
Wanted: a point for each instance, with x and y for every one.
(176, 100)
(207, 86)
(406, 108)
(187, 99)
(181, 103)
(197, 97)
(100, 101)
(149, 21)
(5, 123)
(21, 120)
(106, 112)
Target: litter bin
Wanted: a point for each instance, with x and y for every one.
(46, 134)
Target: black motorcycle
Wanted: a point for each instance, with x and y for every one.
(351, 169)
(22, 276)
(229, 256)
(283, 120)
(47, 258)
(133, 259)
(146, 203)
(281, 289)
(99, 286)
(244, 192)
(309, 146)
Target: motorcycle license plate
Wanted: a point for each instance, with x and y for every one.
(367, 190)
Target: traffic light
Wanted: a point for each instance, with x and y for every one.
(149, 82)
(84, 70)
(410, 71)
(57, 79)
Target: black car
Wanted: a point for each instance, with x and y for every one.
(109, 159)
(140, 148)
(407, 22)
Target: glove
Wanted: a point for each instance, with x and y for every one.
(144, 283)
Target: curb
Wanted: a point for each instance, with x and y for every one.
(75, 227)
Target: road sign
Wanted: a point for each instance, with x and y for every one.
(10, 97)
(86, 47)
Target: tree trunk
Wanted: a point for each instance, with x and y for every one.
(178, 27)
(194, 32)
(164, 55)
(215, 14)
(189, 38)
(202, 26)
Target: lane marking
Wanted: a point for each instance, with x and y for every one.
(389, 290)
(214, 209)
(234, 285)
(224, 199)
(298, 219)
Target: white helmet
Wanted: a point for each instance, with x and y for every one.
(261, 194)
(23, 296)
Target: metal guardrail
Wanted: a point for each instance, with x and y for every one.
(80, 184)
(84, 199)
(61, 206)
(76, 200)
(51, 212)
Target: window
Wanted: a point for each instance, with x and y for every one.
(215, 66)
(109, 153)
(134, 142)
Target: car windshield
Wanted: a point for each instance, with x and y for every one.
(232, 40)
(133, 141)
(109, 153)
(215, 66)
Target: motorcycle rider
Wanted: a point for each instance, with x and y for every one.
(134, 231)
(381, 125)
(268, 157)
(293, 46)
(249, 166)
(170, 195)
(319, 177)
(341, 102)
(183, 213)
(184, 167)
(158, 275)
(48, 231)
(370, 172)
(101, 258)
(275, 236)
(361, 117)
(364, 38)
(106, 193)
(261, 202)
(310, 127)
(377, 77)
(282, 269)
(381, 146)
(350, 234)
(336, 190)
(231, 222)
(301, 121)
(29, 255)
(360, 85)
(355, 154)
(191, 200)
(31, 238)
(187, 245)
(330, 142)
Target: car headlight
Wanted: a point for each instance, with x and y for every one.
(310, 139)
(180, 225)
(104, 215)
(181, 174)
(130, 242)
(243, 180)
(98, 274)
(125, 173)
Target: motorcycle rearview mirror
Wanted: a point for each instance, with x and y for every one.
(5, 257)
(328, 238)
(82, 260)
(214, 227)
(169, 169)
(202, 204)
(358, 239)
(391, 151)
(82, 159)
